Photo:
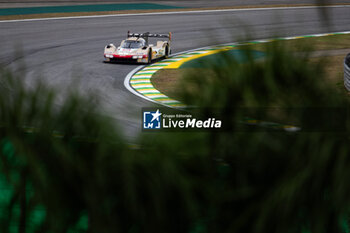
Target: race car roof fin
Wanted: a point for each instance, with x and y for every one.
(148, 34)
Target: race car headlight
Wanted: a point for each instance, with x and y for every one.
(134, 57)
(139, 56)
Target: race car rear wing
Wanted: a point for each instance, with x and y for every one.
(147, 35)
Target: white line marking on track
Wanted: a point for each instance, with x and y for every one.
(132, 90)
(175, 12)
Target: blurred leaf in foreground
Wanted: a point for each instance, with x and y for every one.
(65, 168)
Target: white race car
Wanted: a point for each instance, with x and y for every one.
(135, 48)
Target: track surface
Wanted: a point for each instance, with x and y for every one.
(61, 49)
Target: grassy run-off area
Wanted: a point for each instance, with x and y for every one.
(329, 49)
(80, 10)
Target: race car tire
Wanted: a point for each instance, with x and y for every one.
(149, 61)
(167, 51)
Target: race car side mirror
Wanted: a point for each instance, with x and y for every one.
(144, 47)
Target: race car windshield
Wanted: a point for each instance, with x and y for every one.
(130, 44)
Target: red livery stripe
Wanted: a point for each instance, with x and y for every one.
(122, 56)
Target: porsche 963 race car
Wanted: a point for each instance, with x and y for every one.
(135, 48)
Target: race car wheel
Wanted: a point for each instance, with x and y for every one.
(149, 61)
(166, 51)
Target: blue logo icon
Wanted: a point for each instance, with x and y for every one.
(151, 120)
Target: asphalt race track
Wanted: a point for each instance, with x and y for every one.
(61, 50)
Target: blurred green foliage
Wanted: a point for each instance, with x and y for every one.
(65, 168)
